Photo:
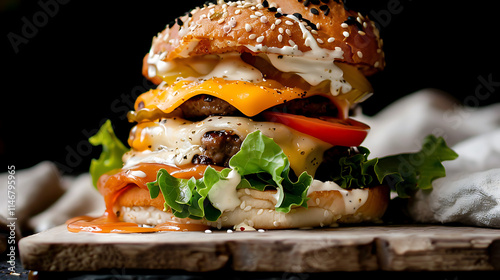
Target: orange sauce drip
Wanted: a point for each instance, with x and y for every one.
(106, 224)
(114, 183)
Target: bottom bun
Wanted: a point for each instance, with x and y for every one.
(257, 209)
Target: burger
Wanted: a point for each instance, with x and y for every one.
(250, 124)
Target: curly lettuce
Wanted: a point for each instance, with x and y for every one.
(111, 155)
(404, 173)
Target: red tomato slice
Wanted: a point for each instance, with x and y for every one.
(337, 132)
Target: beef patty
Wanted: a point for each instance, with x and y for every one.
(202, 106)
(218, 148)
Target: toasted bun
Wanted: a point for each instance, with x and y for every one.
(325, 208)
(320, 31)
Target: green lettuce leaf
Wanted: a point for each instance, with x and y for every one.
(112, 152)
(187, 198)
(264, 160)
(404, 173)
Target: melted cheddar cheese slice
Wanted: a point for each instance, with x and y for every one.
(249, 98)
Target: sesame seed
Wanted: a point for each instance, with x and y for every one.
(319, 40)
(344, 25)
(259, 14)
(248, 208)
(275, 223)
(376, 64)
(281, 30)
(289, 32)
(253, 16)
(237, 12)
(260, 39)
(242, 205)
(331, 39)
(273, 26)
(314, 11)
(260, 211)
(307, 43)
(248, 27)
(292, 43)
(280, 37)
(360, 54)
(208, 231)
(289, 22)
(361, 32)
(345, 33)
(252, 36)
(264, 19)
(278, 21)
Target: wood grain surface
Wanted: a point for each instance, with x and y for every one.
(360, 248)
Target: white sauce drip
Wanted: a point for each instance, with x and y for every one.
(353, 199)
(314, 66)
(176, 141)
(138, 173)
(232, 67)
(223, 194)
(313, 71)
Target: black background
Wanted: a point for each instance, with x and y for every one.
(80, 63)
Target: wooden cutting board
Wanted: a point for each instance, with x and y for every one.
(360, 248)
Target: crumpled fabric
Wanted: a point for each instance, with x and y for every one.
(45, 198)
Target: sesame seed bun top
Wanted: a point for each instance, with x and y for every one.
(319, 29)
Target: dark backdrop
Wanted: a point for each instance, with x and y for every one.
(69, 65)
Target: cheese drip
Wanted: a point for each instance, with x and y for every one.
(175, 141)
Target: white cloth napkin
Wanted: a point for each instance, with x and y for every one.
(470, 193)
(45, 199)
